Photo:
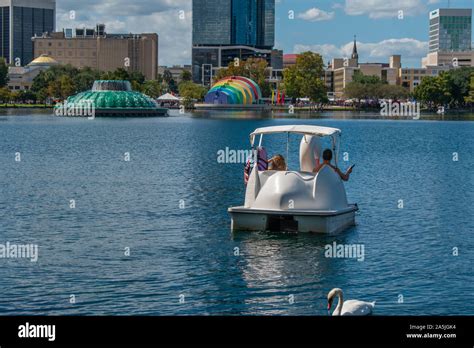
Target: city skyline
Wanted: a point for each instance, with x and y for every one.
(379, 31)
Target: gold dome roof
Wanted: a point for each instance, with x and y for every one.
(44, 59)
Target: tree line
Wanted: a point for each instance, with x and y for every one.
(305, 79)
(453, 88)
(372, 89)
(61, 81)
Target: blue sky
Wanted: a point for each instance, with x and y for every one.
(326, 27)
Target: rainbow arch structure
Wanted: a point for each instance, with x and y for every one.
(234, 90)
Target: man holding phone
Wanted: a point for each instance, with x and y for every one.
(327, 157)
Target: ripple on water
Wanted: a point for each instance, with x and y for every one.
(136, 206)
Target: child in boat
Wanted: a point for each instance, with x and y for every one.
(277, 163)
(327, 157)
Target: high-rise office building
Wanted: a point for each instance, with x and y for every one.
(244, 23)
(20, 20)
(450, 29)
(266, 23)
(227, 29)
(232, 22)
(450, 33)
(211, 22)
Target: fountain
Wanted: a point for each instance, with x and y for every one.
(113, 98)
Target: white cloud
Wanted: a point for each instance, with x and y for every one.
(383, 8)
(315, 14)
(138, 16)
(410, 50)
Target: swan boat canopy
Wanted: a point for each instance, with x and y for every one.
(295, 200)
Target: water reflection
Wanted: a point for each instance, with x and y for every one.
(281, 268)
(339, 114)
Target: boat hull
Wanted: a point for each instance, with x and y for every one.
(329, 222)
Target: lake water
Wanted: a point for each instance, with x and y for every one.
(182, 260)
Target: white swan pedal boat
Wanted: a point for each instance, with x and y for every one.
(296, 201)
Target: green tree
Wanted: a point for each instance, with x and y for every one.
(40, 82)
(136, 76)
(236, 68)
(192, 90)
(42, 95)
(15, 96)
(255, 69)
(370, 87)
(457, 83)
(3, 72)
(152, 88)
(291, 82)
(355, 90)
(396, 92)
(136, 86)
(186, 76)
(304, 79)
(159, 78)
(84, 80)
(54, 89)
(47, 83)
(448, 88)
(167, 76)
(172, 87)
(431, 91)
(117, 74)
(67, 86)
(27, 95)
(470, 97)
(43, 79)
(5, 95)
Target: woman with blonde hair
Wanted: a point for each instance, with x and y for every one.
(277, 162)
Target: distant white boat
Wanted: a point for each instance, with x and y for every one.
(296, 200)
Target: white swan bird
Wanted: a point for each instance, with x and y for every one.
(349, 307)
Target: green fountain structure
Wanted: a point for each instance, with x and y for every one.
(114, 98)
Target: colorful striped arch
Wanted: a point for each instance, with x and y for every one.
(234, 90)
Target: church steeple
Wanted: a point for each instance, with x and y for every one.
(355, 55)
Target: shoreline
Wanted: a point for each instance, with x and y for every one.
(368, 113)
(25, 106)
(279, 108)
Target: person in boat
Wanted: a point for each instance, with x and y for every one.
(277, 162)
(327, 157)
(261, 158)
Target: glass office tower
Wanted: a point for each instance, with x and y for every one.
(244, 22)
(212, 22)
(450, 30)
(248, 24)
(266, 23)
(20, 20)
(234, 22)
